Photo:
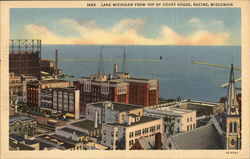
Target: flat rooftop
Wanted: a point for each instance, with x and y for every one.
(78, 133)
(96, 145)
(86, 124)
(143, 119)
(57, 141)
(118, 106)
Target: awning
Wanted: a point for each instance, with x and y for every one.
(70, 115)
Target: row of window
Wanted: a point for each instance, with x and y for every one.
(190, 127)
(189, 119)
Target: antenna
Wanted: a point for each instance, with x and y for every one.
(100, 63)
(124, 63)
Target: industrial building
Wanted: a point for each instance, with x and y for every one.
(117, 87)
(32, 90)
(25, 56)
(64, 101)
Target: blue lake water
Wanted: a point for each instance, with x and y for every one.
(176, 74)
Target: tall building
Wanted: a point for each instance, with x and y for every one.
(25, 56)
(233, 119)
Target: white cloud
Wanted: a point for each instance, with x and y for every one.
(125, 32)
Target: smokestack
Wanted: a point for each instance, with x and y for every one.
(56, 62)
(96, 119)
(116, 68)
(158, 143)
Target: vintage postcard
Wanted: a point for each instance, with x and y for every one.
(125, 79)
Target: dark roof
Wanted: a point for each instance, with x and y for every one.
(143, 119)
(119, 106)
(21, 146)
(78, 133)
(22, 139)
(86, 124)
(57, 141)
(14, 118)
(74, 142)
(205, 137)
(43, 145)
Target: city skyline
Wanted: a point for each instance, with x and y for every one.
(181, 26)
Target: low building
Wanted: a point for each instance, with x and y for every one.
(59, 143)
(202, 107)
(47, 66)
(64, 101)
(87, 126)
(123, 136)
(22, 125)
(16, 139)
(176, 120)
(15, 86)
(72, 133)
(111, 112)
(15, 145)
(94, 146)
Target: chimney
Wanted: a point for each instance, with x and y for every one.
(158, 143)
(129, 120)
(96, 119)
(56, 62)
(116, 68)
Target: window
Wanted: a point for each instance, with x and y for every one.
(190, 119)
(178, 121)
(112, 134)
(158, 127)
(230, 127)
(104, 132)
(188, 128)
(178, 129)
(194, 126)
(235, 127)
(187, 119)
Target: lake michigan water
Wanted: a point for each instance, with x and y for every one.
(176, 74)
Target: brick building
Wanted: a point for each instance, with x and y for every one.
(117, 87)
(32, 90)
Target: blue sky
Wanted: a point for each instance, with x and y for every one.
(144, 26)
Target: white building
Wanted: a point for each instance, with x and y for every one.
(111, 112)
(176, 120)
(124, 135)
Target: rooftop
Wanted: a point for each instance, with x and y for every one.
(86, 124)
(57, 141)
(19, 146)
(78, 133)
(143, 119)
(22, 139)
(69, 140)
(204, 137)
(14, 118)
(118, 106)
(96, 146)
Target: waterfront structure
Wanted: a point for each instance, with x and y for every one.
(111, 112)
(22, 125)
(25, 56)
(123, 136)
(176, 120)
(32, 90)
(48, 67)
(64, 101)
